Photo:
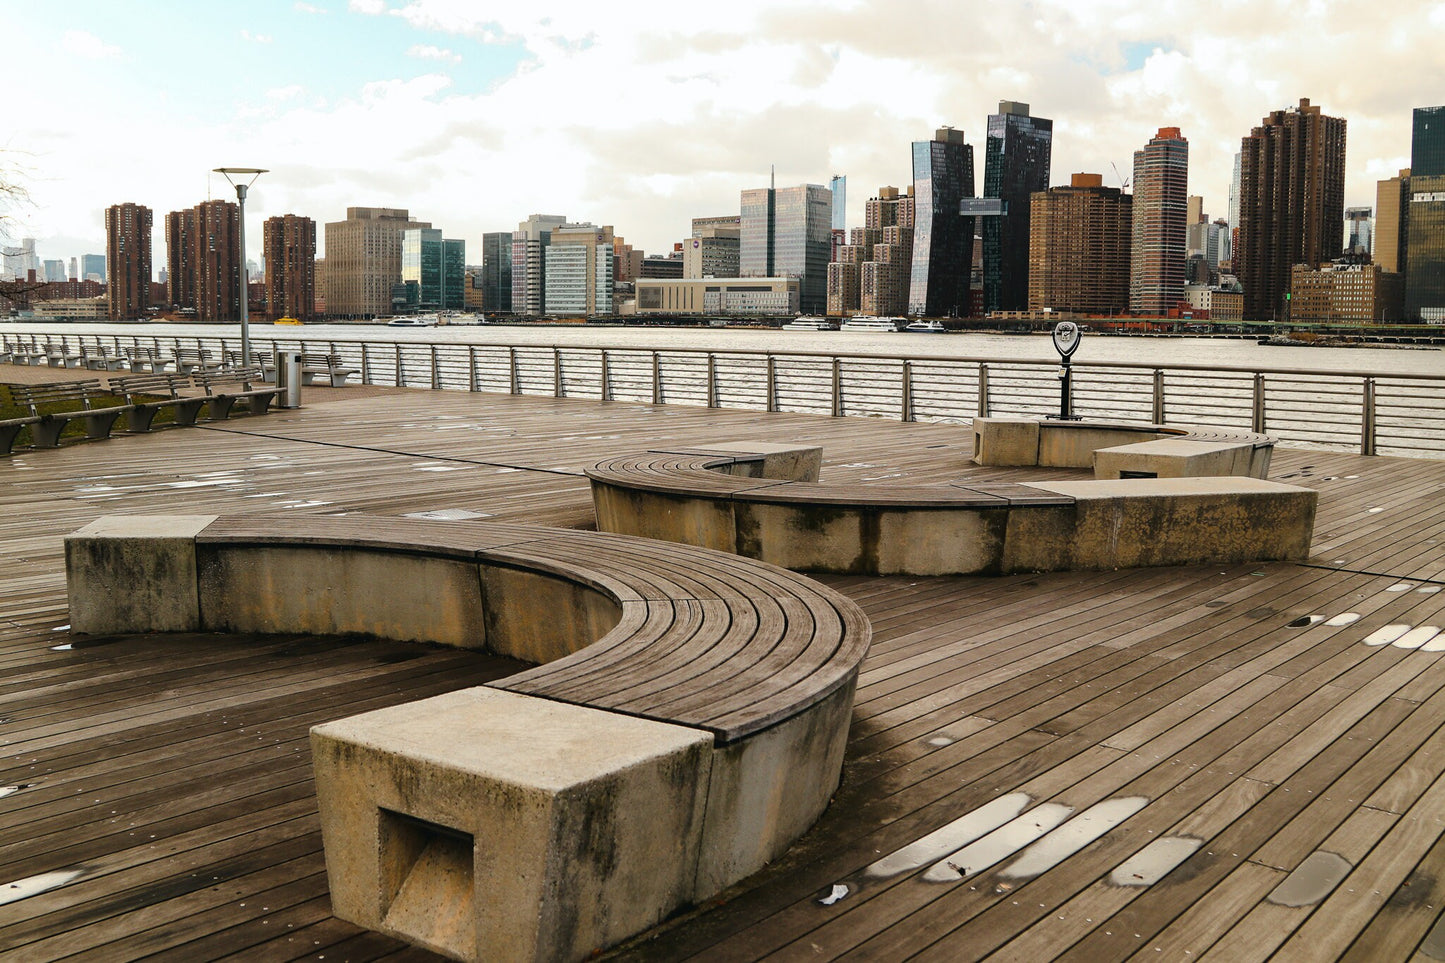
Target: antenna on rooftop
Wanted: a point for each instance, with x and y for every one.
(772, 176)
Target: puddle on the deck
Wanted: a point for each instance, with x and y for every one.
(838, 891)
(1315, 879)
(999, 844)
(1304, 621)
(1428, 589)
(35, 885)
(1344, 618)
(440, 467)
(1155, 861)
(448, 515)
(1401, 587)
(62, 648)
(1386, 634)
(12, 790)
(1418, 638)
(1073, 836)
(960, 832)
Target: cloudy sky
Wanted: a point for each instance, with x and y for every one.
(474, 114)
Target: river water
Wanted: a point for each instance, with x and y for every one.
(1213, 352)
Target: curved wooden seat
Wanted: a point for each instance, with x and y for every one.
(723, 685)
(962, 528)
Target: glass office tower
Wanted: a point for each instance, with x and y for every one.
(1016, 164)
(1425, 255)
(437, 266)
(942, 236)
(497, 272)
(787, 232)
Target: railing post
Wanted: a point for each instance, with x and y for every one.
(436, 375)
(1367, 418)
(606, 381)
(557, 390)
(1158, 396)
(907, 402)
(513, 383)
(837, 387)
(472, 368)
(365, 363)
(711, 380)
(400, 370)
(656, 379)
(982, 390)
(1258, 419)
(772, 385)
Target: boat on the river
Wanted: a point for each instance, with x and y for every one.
(865, 323)
(810, 324)
(413, 321)
(921, 326)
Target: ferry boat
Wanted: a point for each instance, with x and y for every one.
(810, 324)
(863, 323)
(413, 321)
(925, 327)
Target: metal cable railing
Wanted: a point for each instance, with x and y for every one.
(1348, 411)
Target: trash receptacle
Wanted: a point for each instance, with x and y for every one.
(288, 379)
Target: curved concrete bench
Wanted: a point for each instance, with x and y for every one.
(723, 501)
(688, 724)
(1117, 450)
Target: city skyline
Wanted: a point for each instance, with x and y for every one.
(475, 120)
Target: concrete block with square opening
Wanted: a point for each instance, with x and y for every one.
(490, 825)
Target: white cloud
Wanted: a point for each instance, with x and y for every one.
(289, 92)
(82, 43)
(302, 7)
(429, 52)
(367, 6)
(255, 37)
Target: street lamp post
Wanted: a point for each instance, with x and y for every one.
(241, 188)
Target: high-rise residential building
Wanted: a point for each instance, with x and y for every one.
(1158, 246)
(579, 272)
(180, 271)
(1425, 257)
(529, 269)
(92, 267)
(1216, 244)
(787, 232)
(215, 248)
(1234, 202)
(54, 270)
(289, 241)
(942, 235)
(1392, 223)
(1291, 203)
(128, 259)
(1079, 249)
(1359, 231)
(496, 277)
(432, 268)
(1016, 165)
(363, 260)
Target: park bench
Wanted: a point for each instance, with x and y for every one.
(327, 367)
(27, 352)
(100, 358)
(189, 360)
(148, 394)
(227, 386)
(146, 360)
(46, 423)
(694, 704)
(62, 355)
(263, 360)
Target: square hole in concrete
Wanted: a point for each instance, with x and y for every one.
(427, 882)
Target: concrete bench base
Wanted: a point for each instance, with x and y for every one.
(1157, 451)
(489, 825)
(1180, 458)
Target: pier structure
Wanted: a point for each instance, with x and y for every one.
(1231, 761)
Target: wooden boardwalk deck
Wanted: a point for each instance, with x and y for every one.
(1235, 716)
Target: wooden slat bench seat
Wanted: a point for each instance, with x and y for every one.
(693, 703)
(149, 394)
(956, 529)
(146, 360)
(51, 409)
(227, 386)
(189, 360)
(326, 369)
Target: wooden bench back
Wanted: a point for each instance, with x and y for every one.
(39, 396)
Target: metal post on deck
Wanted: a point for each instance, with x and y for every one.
(1367, 418)
(436, 376)
(400, 374)
(557, 390)
(512, 384)
(982, 390)
(837, 387)
(711, 381)
(606, 381)
(656, 379)
(1257, 420)
(1158, 396)
(365, 364)
(472, 368)
(772, 385)
(907, 401)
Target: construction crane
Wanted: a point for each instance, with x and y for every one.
(1123, 181)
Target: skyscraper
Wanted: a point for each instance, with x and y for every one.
(942, 236)
(1425, 258)
(1079, 249)
(1291, 203)
(215, 247)
(363, 260)
(289, 243)
(1160, 217)
(128, 259)
(180, 271)
(497, 272)
(436, 265)
(579, 277)
(528, 263)
(1359, 231)
(787, 232)
(1016, 165)
(92, 267)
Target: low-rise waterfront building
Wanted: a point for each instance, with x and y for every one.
(1340, 292)
(716, 296)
